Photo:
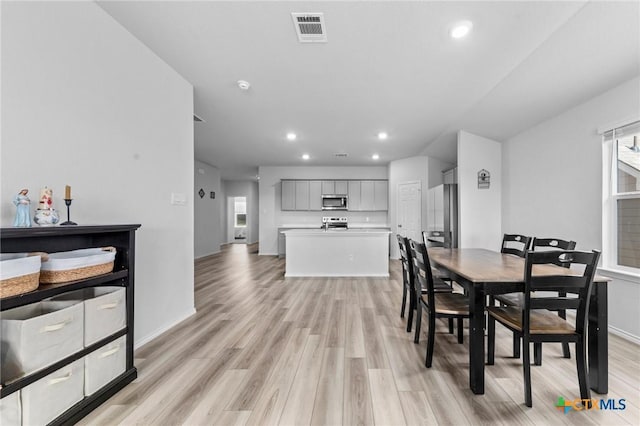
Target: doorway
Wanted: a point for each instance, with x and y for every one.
(237, 226)
(410, 210)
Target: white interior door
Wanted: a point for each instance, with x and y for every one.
(410, 210)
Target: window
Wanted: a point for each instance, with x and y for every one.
(622, 196)
(240, 212)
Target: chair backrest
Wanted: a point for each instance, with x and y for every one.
(542, 244)
(423, 276)
(574, 281)
(515, 244)
(433, 238)
(407, 263)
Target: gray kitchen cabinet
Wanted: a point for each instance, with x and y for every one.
(367, 195)
(381, 195)
(341, 187)
(315, 195)
(288, 196)
(302, 195)
(328, 187)
(354, 195)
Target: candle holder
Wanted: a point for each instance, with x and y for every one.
(67, 202)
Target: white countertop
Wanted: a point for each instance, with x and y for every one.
(336, 232)
(351, 226)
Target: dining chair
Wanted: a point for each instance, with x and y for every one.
(438, 305)
(515, 244)
(515, 299)
(535, 323)
(408, 283)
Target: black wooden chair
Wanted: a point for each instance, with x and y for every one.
(437, 305)
(515, 299)
(517, 245)
(535, 323)
(408, 283)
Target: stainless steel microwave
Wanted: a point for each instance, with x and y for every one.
(334, 202)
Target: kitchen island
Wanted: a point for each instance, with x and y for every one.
(337, 253)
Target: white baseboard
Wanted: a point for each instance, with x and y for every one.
(205, 255)
(625, 335)
(146, 339)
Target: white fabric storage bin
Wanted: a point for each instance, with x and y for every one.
(10, 410)
(46, 399)
(104, 365)
(37, 335)
(104, 311)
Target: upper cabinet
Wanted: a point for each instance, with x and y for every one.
(315, 195)
(331, 187)
(380, 195)
(354, 195)
(363, 195)
(288, 201)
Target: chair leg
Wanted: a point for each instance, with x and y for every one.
(460, 330)
(526, 363)
(491, 340)
(412, 307)
(416, 338)
(450, 325)
(537, 353)
(516, 346)
(431, 339)
(404, 300)
(581, 365)
(566, 352)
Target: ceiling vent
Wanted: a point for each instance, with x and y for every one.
(341, 155)
(310, 27)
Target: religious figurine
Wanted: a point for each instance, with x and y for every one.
(22, 202)
(46, 215)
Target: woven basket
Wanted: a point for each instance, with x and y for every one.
(18, 285)
(21, 284)
(55, 277)
(63, 276)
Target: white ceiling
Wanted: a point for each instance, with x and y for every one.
(388, 65)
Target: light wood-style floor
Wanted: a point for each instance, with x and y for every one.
(263, 350)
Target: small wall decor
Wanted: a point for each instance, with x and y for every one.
(201, 193)
(212, 195)
(484, 179)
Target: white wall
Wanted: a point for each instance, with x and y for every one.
(86, 104)
(479, 210)
(271, 217)
(401, 171)
(436, 167)
(248, 189)
(553, 181)
(207, 211)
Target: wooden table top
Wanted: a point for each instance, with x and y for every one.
(481, 265)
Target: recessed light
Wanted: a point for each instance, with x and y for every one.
(291, 136)
(305, 156)
(460, 29)
(383, 136)
(244, 85)
(375, 156)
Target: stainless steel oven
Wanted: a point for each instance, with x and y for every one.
(334, 202)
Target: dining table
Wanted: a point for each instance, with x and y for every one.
(483, 272)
